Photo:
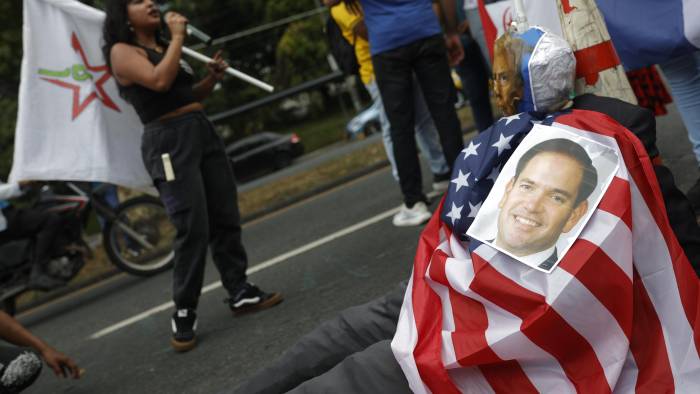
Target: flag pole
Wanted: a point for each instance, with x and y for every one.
(230, 70)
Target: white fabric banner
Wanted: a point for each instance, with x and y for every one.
(71, 122)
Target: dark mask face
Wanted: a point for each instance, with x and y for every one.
(507, 82)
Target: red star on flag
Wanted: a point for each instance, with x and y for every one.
(99, 92)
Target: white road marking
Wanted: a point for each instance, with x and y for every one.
(259, 267)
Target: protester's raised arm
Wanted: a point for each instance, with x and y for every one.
(130, 65)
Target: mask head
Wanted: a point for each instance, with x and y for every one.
(532, 71)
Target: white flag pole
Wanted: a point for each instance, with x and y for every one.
(229, 70)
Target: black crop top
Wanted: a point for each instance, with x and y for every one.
(151, 105)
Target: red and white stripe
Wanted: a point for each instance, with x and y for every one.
(619, 314)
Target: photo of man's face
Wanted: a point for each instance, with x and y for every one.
(540, 204)
(543, 196)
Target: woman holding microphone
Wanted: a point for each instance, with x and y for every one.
(184, 156)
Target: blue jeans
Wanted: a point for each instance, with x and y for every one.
(683, 76)
(426, 133)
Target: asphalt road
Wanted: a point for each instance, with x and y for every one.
(350, 254)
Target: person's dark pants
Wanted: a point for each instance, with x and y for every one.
(19, 368)
(427, 58)
(681, 216)
(337, 351)
(201, 201)
(473, 72)
(373, 370)
(28, 223)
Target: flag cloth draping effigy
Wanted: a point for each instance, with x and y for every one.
(71, 122)
(620, 312)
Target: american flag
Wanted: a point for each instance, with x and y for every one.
(619, 313)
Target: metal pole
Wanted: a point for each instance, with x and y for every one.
(231, 71)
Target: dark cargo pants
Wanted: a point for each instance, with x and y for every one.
(200, 197)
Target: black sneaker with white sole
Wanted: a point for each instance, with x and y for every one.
(184, 324)
(249, 298)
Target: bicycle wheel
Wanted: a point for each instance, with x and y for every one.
(140, 238)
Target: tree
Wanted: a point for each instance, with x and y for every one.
(10, 59)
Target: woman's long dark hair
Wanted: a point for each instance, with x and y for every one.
(116, 28)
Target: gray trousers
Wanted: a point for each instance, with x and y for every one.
(348, 354)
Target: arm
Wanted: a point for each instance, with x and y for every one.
(452, 41)
(203, 88)
(360, 30)
(13, 332)
(131, 66)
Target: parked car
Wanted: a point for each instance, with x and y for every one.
(262, 152)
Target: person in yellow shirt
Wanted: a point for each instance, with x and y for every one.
(354, 30)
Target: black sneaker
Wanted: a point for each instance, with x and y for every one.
(250, 299)
(184, 324)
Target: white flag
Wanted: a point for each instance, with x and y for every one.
(71, 122)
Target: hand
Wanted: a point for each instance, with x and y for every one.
(217, 67)
(463, 28)
(61, 364)
(177, 24)
(455, 53)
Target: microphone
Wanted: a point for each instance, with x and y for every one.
(191, 30)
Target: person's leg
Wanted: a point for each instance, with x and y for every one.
(19, 368)
(374, 370)
(373, 91)
(427, 135)
(473, 72)
(43, 226)
(683, 76)
(317, 352)
(227, 249)
(182, 193)
(477, 30)
(393, 70)
(433, 73)
(680, 216)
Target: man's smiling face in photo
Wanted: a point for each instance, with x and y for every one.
(540, 203)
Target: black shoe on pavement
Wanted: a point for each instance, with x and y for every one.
(184, 324)
(694, 196)
(250, 299)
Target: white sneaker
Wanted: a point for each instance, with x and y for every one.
(414, 216)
